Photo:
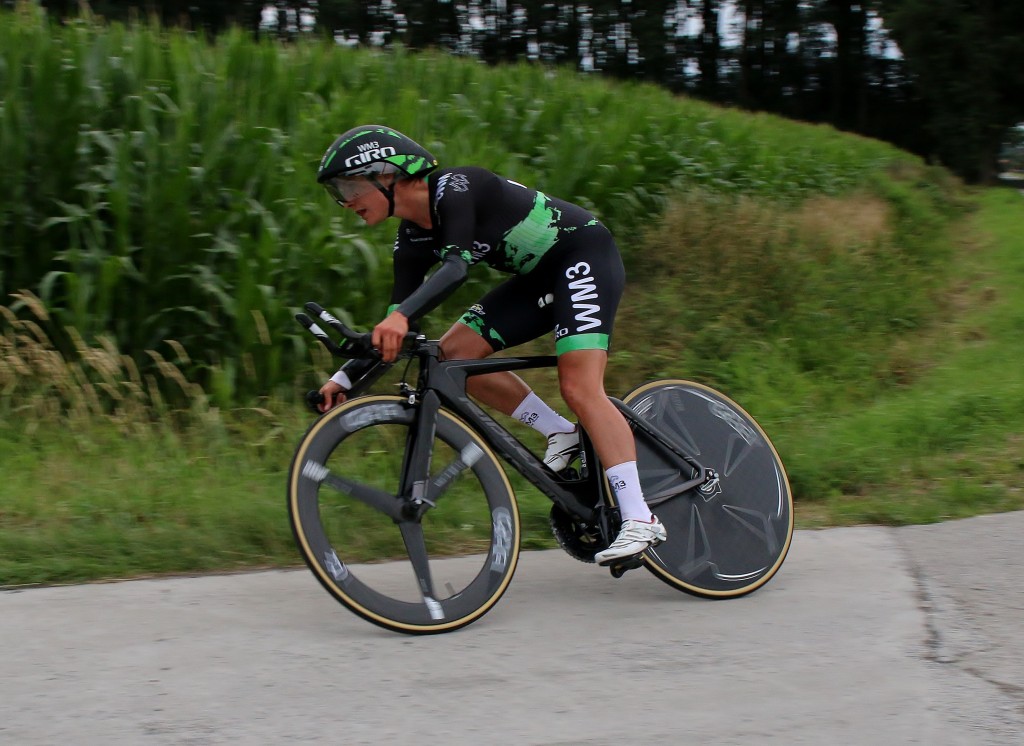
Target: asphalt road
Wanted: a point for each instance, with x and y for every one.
(866, 636)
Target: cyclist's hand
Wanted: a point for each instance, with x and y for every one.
(389, 334)
(334, 395)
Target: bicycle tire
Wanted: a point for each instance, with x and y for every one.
(365, 440)
(731, 540)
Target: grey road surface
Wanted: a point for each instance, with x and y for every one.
(866, 636)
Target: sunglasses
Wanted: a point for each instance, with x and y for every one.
(348, 189)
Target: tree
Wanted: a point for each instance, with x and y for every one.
(965, 59)
(212, 16)
(848, 18)
(709, 49)
(768, 68)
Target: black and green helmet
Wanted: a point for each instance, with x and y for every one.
(374, 149)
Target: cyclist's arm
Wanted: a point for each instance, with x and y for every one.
(411, 263)
(455, 219)
(436, 288)
(351, 371)
(410, 266)
(389, 333)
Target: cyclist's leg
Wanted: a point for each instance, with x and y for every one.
(586, 297)
(589, 281)
(581, 380)
(515, 312)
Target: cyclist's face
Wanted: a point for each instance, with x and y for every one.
(362, 195)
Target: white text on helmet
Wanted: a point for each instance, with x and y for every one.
(370, 152)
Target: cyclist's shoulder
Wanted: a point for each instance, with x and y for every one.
(473, 172)
(464, 179)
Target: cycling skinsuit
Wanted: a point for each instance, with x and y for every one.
(567, 272)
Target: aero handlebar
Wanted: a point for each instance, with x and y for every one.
(355, 344)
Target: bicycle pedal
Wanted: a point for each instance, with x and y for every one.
(621, 567)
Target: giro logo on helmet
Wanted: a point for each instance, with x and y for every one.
(373, 149)
(373, 153)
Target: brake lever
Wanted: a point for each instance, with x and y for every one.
(313, 401)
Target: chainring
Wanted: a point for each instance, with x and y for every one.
(579, 540)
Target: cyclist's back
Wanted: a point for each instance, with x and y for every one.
(509, 226)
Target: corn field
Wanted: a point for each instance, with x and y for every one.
(159, 189)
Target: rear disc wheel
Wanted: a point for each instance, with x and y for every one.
(729, 536)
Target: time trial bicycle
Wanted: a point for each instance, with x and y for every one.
(418, 474)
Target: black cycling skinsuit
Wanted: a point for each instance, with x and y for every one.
(567, 271)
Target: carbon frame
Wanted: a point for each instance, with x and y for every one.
(443, 383)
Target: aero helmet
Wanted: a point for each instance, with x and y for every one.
(367, 151)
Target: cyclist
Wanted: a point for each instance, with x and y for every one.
(567, 275)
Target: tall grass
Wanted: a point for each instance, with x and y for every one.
(45, 390)
(827, 286)
(158, 186)
(946, 444)
(885, 370)
(106, 475)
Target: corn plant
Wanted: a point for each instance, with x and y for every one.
(160, 186)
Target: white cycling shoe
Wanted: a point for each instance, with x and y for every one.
(634, 537)
(562, 449)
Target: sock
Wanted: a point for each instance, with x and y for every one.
(542, 418)
(625, 483)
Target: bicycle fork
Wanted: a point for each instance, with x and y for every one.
(419, 492)
(417, 499)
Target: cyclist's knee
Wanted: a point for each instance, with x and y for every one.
(581, 379)
(572, 394)
(581, 391)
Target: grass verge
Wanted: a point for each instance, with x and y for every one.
(948, 443)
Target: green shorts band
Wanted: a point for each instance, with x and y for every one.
(581, 342)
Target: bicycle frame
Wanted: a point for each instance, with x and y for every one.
(443, 383)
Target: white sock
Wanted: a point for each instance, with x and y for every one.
(533, 411)
(625, 483)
